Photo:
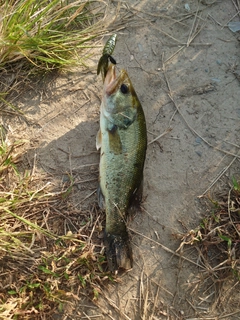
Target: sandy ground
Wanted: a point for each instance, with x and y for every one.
(183, 62)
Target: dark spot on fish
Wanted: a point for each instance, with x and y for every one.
(124, 88)
(136, 165)
(112, 60)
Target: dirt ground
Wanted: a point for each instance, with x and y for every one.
(183, 62)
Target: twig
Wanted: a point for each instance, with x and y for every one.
(228, 315)
(161, 135)
(93, 229)
(229, 213)
(158, 15)
(87, 165)
(193, 25)
(232, 144)
(83, 181)
(66, 218)
(174, 54)
(155, 303)
(143, 297)
(188, 125)
(236, 5)
(34, 166)
(111, 302)
(225, 25)
(215, 20)
(162, 288)
(166, 249)
(88, 196)
(218, 177)
(160, 30)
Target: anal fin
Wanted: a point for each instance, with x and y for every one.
(101, 199)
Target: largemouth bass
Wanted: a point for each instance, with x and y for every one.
(123, 141)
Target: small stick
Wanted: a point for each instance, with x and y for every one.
(232, 144)
(174, 54)
(225, 25)
(158, 15)
(191, 31)
(218, 177)
(236, 5)
(88, 196)
(229, 213)
(111, 302)
(188, 125)
(228, 315)
(167, 249)
(161, 135)
(215, 20)
(155, 303)
(93, 229)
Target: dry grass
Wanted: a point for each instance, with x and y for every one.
(215, 243)
(46, 258)
(217, 239)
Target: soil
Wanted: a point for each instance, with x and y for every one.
(183, 62)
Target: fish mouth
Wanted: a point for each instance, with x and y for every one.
(113, 82)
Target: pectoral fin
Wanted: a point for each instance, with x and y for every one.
(99, 139)
(115, 143)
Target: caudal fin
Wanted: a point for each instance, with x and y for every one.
(118, 251)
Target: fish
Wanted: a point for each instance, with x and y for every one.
(122, 139)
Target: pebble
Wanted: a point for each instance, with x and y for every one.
(65, 178)
(140, 47)
(215, 79)
(187, 7)
(198, 140)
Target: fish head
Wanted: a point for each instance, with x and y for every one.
(120, 101)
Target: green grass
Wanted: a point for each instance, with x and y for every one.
(47, 34)
(39, 36)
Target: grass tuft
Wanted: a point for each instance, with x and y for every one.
(40, 36)
(47, 34)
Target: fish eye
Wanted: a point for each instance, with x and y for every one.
(112, 59)
(124, 88)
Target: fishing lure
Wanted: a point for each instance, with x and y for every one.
(110, 45)
(106, 56)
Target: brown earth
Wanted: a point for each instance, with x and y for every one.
(183, 62)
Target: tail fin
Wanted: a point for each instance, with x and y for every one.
(118, 251)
